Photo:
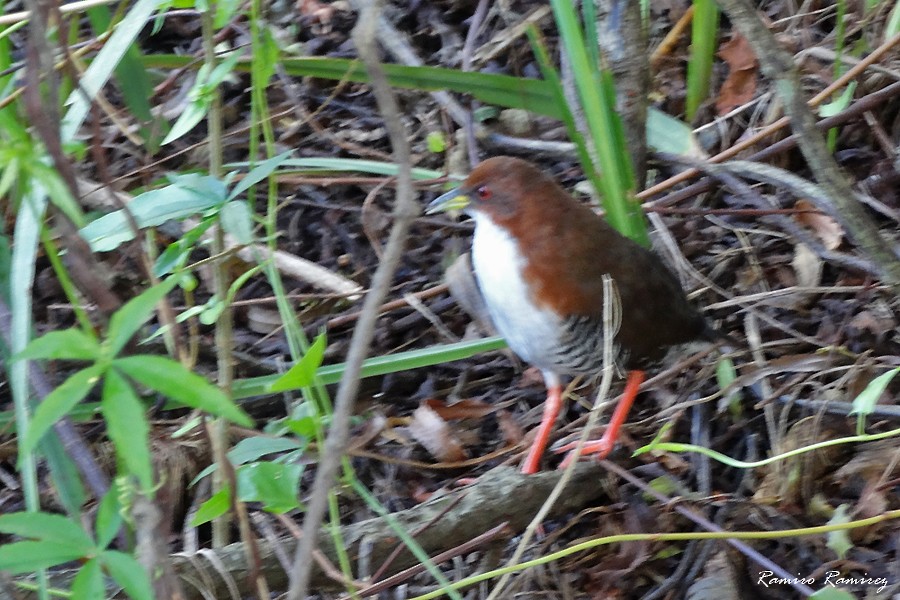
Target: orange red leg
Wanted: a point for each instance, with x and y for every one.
(604, 445)
(552, 406)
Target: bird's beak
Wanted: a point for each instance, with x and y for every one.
(453, 200)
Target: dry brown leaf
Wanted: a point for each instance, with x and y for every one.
(435, 435)
(464, 409)
(510, 429)
(826, 229)
(321, 12)
(740, 85)
(807, 266)
(872, 501)
(877, 460)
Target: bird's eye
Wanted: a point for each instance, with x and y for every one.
(483, 192)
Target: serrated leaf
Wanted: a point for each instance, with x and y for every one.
(303, 373)
(132, 316)
(47, 527)
(839, 540)
(173, 380)
(128, 573)
(88, 583)
(273, 484)
(127, 427)
(57, 404)
(217, 505)
(67, 344)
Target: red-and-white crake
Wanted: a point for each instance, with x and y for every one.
(539, 257)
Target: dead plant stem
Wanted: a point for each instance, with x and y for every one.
(405, 211)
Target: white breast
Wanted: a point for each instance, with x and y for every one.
(532, 332)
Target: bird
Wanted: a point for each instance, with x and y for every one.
(539, 258)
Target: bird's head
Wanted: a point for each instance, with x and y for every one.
(498, 187)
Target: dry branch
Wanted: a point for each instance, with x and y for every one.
(501, 495)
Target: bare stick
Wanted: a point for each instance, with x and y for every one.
(405, 210)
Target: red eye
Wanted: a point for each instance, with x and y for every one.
(483, 192)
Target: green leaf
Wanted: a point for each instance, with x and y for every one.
(64, 473)
(254, 448)
(217, 505)
(704, 31)
(29, 557)
(832, 593)
(258, 173)
(200, 97)
(237, 219)
(176, 254)
(127, 427)
(381, 365)
(273, 484)
(726, 374)
(67, 344)
(132, 316)
(225, 11)
(128, 573)
(193, 113)
(47, 527)
(211, 311)
(839, 540)
(893, 23)
(353, 165)
(100, 69)
(665, 133)
(134, 83)
(109, 518)
(865, 402)
(303, 421)
(265, 56)
(435, 142)
(57, 190)
(303, 373)
(57, 404)
(173, 380)
(188, 195)
(829, 109)
(88, 583)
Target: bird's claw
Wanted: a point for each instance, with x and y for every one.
(599, 448)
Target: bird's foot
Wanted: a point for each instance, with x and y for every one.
(599, 448)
